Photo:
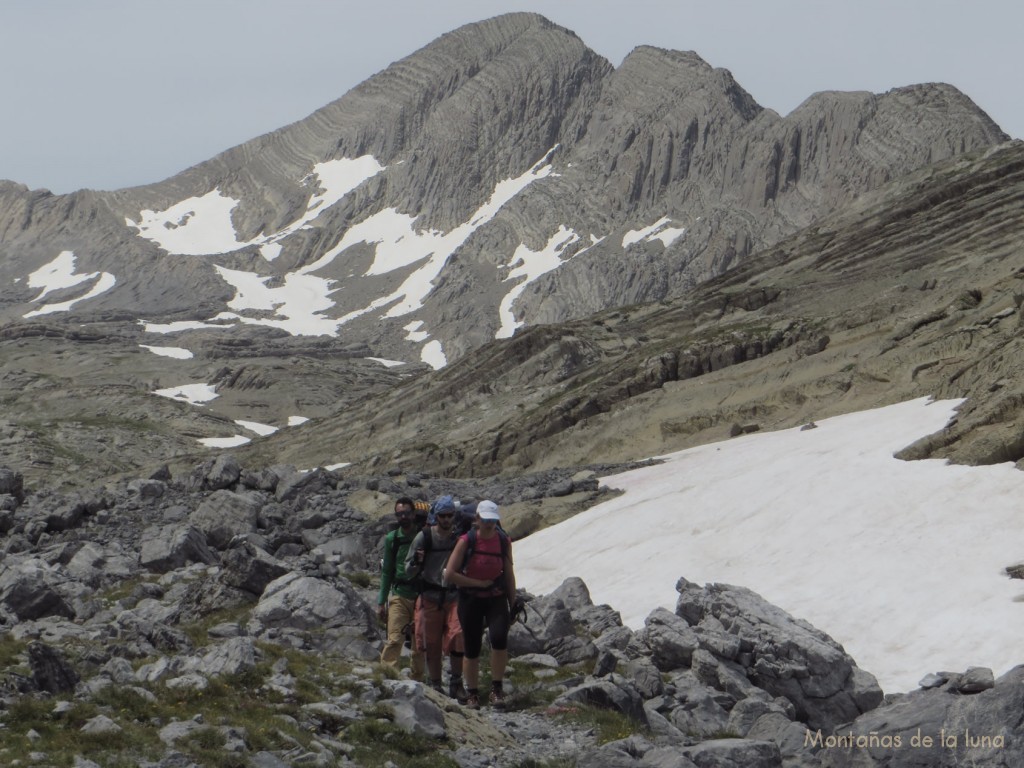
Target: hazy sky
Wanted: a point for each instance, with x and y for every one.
(113, 93)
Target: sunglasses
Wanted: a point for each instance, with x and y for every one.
(448, 515)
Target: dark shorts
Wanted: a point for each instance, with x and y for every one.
(475, 613)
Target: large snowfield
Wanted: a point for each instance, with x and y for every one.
(901, 562)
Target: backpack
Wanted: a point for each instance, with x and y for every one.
(471, 538)
(471, 541)
(416, 582)
(465, 516)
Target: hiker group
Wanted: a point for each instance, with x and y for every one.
(446, 576)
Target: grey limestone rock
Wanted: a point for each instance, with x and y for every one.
(336, 614)
(170, 547)
(50, 671)
(734, 753)
(788, 657)
(231, 657)
(12, 484)
(250, 569)
(415, 712)
(670, 638)
(937, 727)
(226, 514)
(31, 590)
(610, 692)
(99, 725)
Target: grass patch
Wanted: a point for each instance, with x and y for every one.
(61, 736)
(12, 652)
(199, 631)
(607, 724)
(124, 589)
(379, 741)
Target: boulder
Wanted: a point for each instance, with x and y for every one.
(671, 639)
(783, 655)
(30, 591)
(250, 569)
(547, 623)
(50, 672)
(166, 548)
(226, 514)
(12, 483)
(937, 727)
(147, 489)
(334, 616)
(295, 484)
(224, 473)
(734, 753)
(414, 711)
(233, 656)
(610, 692)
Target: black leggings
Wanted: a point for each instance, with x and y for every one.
(475, 613)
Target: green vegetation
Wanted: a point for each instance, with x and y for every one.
(379, 741)
(11, 651)
(231, 711)
(199, 632)
(608, 725)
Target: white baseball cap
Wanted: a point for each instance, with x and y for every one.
(487, 510)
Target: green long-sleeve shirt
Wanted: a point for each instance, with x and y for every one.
(393, 575)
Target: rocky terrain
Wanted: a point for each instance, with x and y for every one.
(226, 618)
(516, 267)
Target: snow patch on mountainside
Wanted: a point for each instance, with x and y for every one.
(60, 274)
(398, 244)
(202, 226)
(178, 353)
(659, 230)
(531, 265)
(194, 394)
(300, 300)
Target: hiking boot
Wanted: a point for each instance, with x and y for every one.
(472, 699)
(457, 691)
(436, 685)
(497, 698)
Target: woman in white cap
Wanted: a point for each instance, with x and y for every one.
(481, 567)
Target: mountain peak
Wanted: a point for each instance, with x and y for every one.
(502, 177)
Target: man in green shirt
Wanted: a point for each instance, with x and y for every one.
(396, 601)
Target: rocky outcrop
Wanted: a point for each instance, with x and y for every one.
(785, 656)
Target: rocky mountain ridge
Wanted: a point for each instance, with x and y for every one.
(501, 179)
(914, 291)
(665, 141)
